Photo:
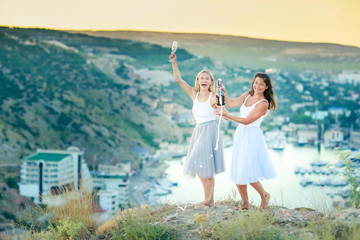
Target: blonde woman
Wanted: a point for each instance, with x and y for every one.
(202, 158)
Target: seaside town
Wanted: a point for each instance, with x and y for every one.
(117, 138)
(46, 173)
(179, 120)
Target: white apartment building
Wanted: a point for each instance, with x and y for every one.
(355, 140)
(333, 137)
(337, 111)
(306, 133)
(46, 173)
(352, 77)
(112, 181)
(108, 201)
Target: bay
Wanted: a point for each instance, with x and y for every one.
(285, 189)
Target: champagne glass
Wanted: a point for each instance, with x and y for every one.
(173, 49)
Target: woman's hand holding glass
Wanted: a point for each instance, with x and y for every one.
(172, 57)
(173, 50)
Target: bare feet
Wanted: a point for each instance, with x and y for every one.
(209, 204)
(244, 206)
(265, 201)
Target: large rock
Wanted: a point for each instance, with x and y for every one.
(348, 217)
(296, 217)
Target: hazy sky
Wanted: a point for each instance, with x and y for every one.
(335, 21)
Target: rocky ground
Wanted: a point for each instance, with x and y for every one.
(196, 221)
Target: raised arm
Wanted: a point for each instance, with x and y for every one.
(186, 87)
(258, 111)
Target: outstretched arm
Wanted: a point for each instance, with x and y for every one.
(230, 103)
(259, 110)
(186, 87)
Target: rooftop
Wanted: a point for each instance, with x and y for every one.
(53, 157)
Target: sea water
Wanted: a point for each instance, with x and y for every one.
(285, 189)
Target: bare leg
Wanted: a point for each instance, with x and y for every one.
(211, 186)
(208, 185)
(203, 181)
(244, 196)
(265, 196)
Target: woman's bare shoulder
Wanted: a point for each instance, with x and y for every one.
(193, 93)
(262, 104)
(244, 95)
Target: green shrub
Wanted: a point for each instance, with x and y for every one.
(350, 176)
(133, 227)
(66, 229)
(201, 220)
(325, 228)
(9, 215)
(249, 225)
(322, 229)
(11, 182)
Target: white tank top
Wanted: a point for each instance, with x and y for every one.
(245, 111)
(202, 111)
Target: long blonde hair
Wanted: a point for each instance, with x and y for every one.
(211, 87)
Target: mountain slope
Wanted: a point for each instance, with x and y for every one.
(61, 89)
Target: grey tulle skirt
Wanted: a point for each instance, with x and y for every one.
(202, 158)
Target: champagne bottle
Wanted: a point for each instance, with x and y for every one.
(220, 96)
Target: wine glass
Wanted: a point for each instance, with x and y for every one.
(173, 48)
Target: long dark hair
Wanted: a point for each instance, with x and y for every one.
(268, 93)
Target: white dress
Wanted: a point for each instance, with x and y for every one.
(250, 159)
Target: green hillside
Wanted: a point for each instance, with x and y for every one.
(61, 89)
(108, 93)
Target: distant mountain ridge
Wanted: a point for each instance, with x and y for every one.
(251, 52)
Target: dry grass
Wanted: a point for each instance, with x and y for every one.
(137, 223)
(107, 227)
(320, 202)
(77, 205)
(196, 222)
(141, 213)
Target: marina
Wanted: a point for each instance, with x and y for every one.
(279, 143)
(303, 180)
